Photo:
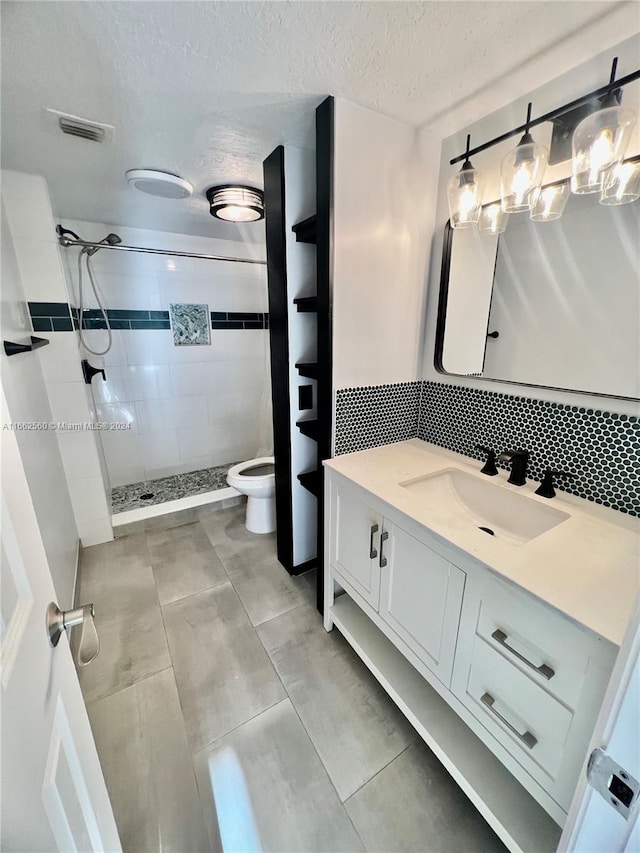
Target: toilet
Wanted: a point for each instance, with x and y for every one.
(257, 480)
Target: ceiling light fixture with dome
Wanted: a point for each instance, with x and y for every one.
(236, 203)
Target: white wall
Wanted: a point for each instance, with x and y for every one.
(549, 91)
(378, 260)
(32, 227)
(188, 407)
(24, 387)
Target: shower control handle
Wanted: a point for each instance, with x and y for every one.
(88, 371)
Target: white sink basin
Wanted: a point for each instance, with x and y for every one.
(479, 501)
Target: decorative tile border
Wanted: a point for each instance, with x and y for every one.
(60, 317)
(601, 448)
(376, 414)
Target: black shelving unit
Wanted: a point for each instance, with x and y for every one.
(316, 230)
(309, 369)
(305, 231)
(306, 304)
(310, 480)
(309, 428)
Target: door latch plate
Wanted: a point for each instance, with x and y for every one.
(614, 784)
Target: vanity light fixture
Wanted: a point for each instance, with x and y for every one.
(522, 171)
(493, 219)
(601, 139)
(548, 203)
(465, 195)
(236, 203)
(621, 183)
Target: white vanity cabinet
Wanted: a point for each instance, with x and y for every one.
(415, 591)
(502, 686)
(533, 679)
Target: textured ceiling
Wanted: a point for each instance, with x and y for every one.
(208, 89)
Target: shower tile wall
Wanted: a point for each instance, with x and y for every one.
(186, 407)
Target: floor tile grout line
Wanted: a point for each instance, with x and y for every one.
(382, 769)
(135, 683)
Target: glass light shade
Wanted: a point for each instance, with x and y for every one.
(521, 175)
(465, 197)
(549, 202)
(599, 141)
(493, 219)
(621, 184)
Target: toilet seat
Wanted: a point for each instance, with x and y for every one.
(245, 469)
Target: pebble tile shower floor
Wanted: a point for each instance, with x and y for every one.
(150, 492)
(227, 719)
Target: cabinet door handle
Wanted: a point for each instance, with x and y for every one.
(527, 738)
(543, 670)
(372, 551)
(383, 538)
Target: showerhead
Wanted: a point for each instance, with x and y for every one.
(110, 239)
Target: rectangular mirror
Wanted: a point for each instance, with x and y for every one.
(562, 296)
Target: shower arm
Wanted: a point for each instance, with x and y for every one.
(86, 244)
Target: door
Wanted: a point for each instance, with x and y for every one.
(420, 599)
(53, 792)
(355, 547)
(593, 824)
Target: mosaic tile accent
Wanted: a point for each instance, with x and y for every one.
(601, 448)
(128, 497)
(376, 414)
(190, 324)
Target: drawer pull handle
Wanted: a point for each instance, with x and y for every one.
(383, 538)
(543, 670)
(372, 551)
(527, 738)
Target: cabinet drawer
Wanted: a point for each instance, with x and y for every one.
(531, 724)
(542, 644)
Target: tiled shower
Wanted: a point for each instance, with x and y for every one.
(176, 417)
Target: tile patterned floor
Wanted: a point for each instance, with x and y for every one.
(227, 719)
(128, 497)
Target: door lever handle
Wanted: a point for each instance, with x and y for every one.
(59, 620)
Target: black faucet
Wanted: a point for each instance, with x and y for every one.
(519, 460)
(489, 467)
(545, 489)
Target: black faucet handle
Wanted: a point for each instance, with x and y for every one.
(489, 467)
(546, 487)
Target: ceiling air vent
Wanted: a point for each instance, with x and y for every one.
(71, 125)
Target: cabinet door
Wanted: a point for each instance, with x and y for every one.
(355, 545)
(420, 599)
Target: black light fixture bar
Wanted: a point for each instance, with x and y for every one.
(612, 86)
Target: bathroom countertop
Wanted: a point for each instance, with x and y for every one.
(588, 567)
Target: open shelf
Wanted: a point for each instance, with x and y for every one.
(310, 480)
(515, 816)
(309, 428)
(305, 231)
(306, 304)
(308, 369)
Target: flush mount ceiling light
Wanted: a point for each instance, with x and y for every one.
(465, 195)
(601, 139)
(236, 203)
(161, 184)
(522, 171)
